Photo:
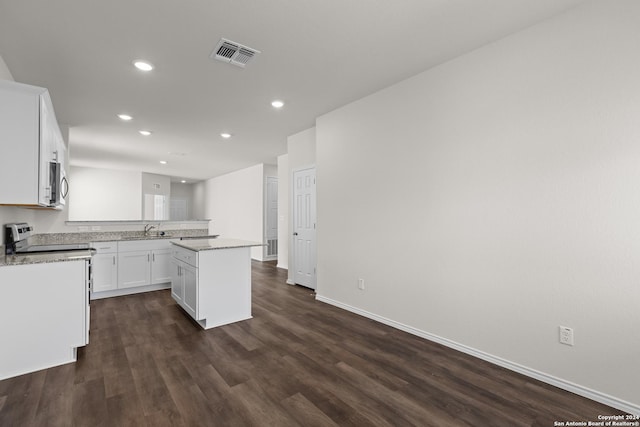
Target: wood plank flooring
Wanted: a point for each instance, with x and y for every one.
(298, 362)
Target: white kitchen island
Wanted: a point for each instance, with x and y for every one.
(211, 279)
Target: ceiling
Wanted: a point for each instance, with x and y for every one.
(315, 56)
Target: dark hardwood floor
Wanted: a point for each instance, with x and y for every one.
(298, 362)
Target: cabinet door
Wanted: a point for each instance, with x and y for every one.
(134, 269)
(19, 123)
(105, 272)
(177, 282)
(161, 266)
(190, 277)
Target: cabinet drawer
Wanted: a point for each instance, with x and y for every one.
(105, 247)
(185, 255)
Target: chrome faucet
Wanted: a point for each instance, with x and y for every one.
(148, 228)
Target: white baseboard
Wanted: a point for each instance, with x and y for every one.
(532, 373)
(284, 267)
(290, 282)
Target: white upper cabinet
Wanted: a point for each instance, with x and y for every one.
(31, 147)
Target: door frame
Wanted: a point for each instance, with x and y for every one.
(292, 254)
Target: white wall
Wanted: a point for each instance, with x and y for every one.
(105, 194)
(200, 201)
(235, 204)
(491, 199)
(150, 180)
(270, 170)
(283, 211)
(301, 150)
(5, 74)
(184, 191)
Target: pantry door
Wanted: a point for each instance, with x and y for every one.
(304, 227)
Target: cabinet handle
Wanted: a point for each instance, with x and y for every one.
(153, 256)
(114, 260)
(65, 187)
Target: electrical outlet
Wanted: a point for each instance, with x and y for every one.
(566, 335)
(361, 284)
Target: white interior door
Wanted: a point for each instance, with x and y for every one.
(304, 227)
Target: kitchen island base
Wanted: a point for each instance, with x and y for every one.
(211, 280)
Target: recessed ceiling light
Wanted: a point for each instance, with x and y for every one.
(163, 162)
(143, 65)
(277, 104)
(125, 117)
(145, 132)
(225, 135)
(183, 181)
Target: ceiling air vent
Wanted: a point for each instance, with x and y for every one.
(233, 53)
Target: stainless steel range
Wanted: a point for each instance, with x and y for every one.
(18, 240)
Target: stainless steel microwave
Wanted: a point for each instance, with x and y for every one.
(58, 184)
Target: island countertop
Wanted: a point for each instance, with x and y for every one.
(211, 244)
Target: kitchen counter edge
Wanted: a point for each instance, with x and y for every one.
(214, 244)
(112, 236)
(45, 257)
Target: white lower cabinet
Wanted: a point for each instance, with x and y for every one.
(44, 311)
(161, 265)
(128, 266)
(134, 269)
(105, 266)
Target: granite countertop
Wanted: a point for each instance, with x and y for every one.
(110, 236)
(88, 237)
(44, 257)
(210, 244)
